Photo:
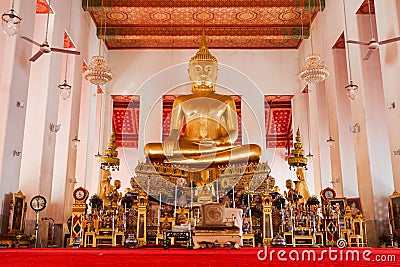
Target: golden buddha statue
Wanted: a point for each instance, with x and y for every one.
(211, 123)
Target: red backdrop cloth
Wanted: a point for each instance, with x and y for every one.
(278, 121)
(126, 120)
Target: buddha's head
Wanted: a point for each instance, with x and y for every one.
(300, 174)
(203, 69)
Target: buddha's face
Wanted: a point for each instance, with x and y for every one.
(203, 73)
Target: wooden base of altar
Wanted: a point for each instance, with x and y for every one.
(9, 241)
(250, 238)
(216, 237)
(104, 237)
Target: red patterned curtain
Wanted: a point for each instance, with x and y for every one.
(168, 101)
(278, 121)
(126, 120)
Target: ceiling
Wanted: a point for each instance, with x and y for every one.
(178, 24)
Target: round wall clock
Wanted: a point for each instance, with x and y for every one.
(328, 193)
(38, 203)
(80, 194)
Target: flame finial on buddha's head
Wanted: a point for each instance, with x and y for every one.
(203, 54)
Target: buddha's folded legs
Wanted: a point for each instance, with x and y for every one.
(200, 155)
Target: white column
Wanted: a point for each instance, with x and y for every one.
(42, 109)
(371, 149)
(346, 144)
(387, 20)
(15, 69)
(320, 116)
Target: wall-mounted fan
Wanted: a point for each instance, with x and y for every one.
(373, 44)
(45, 48)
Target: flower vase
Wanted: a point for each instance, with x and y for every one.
(16, 245)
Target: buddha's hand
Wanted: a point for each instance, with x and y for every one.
(169, 145)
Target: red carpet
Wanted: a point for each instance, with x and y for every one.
(220, 257)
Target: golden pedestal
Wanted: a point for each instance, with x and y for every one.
(305, 240)
(78, 210)
(267, 220)
(160, 234)
(355, 241)
(90, 239)
(104, 237)
(141, 228)
(249, 237)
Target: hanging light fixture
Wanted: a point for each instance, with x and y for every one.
(314, 70)
(309, 155)
(65, 88)
(98, 155)
(11, 21)
(75, 142)
(98, 72)
(331, 142)
(351, 88)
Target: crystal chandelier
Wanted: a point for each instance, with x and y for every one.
(313, 71)
(10, 21)
(98, 72)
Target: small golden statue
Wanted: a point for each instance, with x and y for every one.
(205, 191)
(109, 193)
(114, 195)
(105, 187)
(211, 123)
(301, 186)
(289, 195)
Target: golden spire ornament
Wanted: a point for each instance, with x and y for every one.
(110, 161)
(296, 158)
(203, 54)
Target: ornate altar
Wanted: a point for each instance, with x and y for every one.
(216, 228)
(16, 221)
(78, 212)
